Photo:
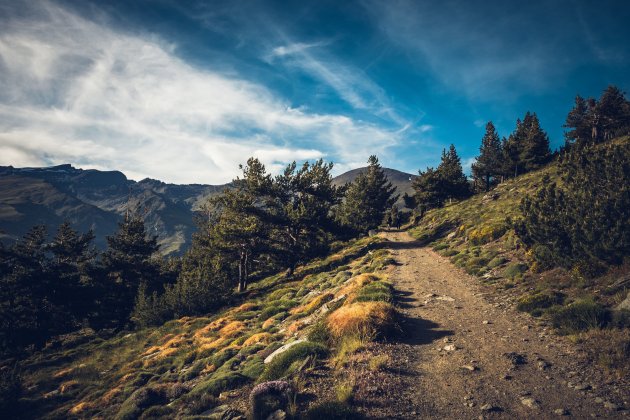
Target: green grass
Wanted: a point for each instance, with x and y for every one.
(281, 365)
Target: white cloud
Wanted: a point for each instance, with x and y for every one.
(75, 91)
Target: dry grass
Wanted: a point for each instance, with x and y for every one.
(232, 329)
(363, 318)
(610, 348)
(314, 304)
(263, 337)
(356, 283)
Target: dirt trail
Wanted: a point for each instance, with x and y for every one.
(461, 355)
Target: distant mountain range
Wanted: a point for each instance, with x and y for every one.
(98, 200)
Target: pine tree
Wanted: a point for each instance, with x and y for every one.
(527, 148)
(429, 190)
(579, 122)
(71, 267)
(613, 111)
(301, 211)
(535, 152)
(367, 198)
(488, 165)
(453, 181)
(238, 229)
(127, 264)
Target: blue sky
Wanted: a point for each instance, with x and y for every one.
(185, 91)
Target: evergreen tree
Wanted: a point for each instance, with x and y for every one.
(238, 229)
(71, 268)
(429, 190)
(453, 181)
(579, 122)
(613, 112)
(488, 165)
(535, 152)
(367, 198)
(301, 211)
(527, 148)
(127, 264)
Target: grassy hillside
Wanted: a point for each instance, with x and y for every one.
(191, 366)
(477, 235)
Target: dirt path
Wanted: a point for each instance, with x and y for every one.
(461, 355)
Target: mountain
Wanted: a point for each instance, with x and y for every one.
(98, 200)
(401, 180)
(92, 199)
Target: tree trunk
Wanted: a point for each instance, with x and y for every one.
(242, 284)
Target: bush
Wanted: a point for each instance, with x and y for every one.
(319, 333)
(281, 364)
(219, 382)
(514, 270)
(268, 397)
(497, 261)
(332, 410)
(377, 291)
(140, 400)
(620, 319)
(534, 304)
(365, 318)
(580, 316)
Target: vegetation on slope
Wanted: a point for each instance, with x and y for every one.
(187, 365)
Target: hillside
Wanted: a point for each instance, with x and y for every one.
(210, 364)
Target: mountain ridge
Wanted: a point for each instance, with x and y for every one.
(98, 200)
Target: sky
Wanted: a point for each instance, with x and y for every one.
(185, 91)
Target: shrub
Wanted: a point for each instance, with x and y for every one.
(158, 412)
(378, 363)
(620, 319)
(219, 382)
(497, 261)
(611, 349)
(319, 333)
(449, 253)
(268, 397)
(514, 270)
(534, 304)
(332, 410)
(377, 291)
(345, 391)
(580, 316)
(140, 400)
(281, 364)
(367, 318)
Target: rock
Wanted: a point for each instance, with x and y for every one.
(583, 387)
(625, 304)
(277, 415)
(469, 368)
(486, 322)
(451, 235)
(561, 412)
(516, 358)
(611, 406)
(430, 295)
(543, 365)
(446, 298)
(530, 402)
(372, 232)
(450, 347)
(490, 408)
(506, 377)
(283, 349)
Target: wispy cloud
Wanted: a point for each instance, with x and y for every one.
(77, 91)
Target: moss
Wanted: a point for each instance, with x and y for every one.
(497, 261)
(219, 382)
(253, 367)
(534, 304)
(280, 364)
(332, 410)
(514, 270)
